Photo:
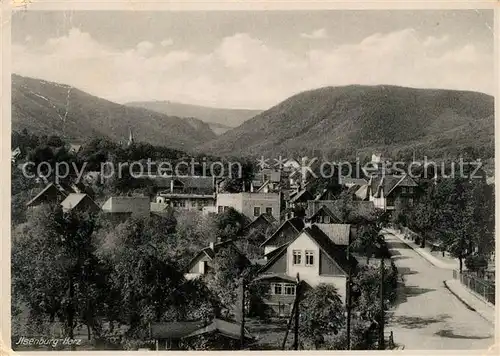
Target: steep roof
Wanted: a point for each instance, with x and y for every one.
(73, 199)
(211, 252)
(269, 219)
(296, 223)
(362, 192)
(301, 196)
(47, 189)
(337, 253)
(327, 211)
(387, 183)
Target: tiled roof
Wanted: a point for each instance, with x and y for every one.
(338, 233)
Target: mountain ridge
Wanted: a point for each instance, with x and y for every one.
(58, 109)
(359, 117)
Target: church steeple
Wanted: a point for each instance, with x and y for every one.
(130, 137)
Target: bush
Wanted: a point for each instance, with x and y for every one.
(476, 263)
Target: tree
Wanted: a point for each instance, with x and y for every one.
(225, 277)
(56, 271)
(321, 313)
(366, 290)
(143, 273)
(229, 224)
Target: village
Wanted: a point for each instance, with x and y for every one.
(294, 261)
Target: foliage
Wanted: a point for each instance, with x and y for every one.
(321, 312)
(366, 290)
(229, 224)
(143, 275)
(476, 263)
(55, 269)
(225, 277)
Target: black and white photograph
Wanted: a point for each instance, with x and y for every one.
(250, 179)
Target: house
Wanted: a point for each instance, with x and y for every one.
(201, 263)
(176, 335)
(252, 205)
(349, 181)
(261, 224)
(356, 211)
(120, 208)
(314, 257)
(326, 194)
(168, 335)
(52, 193)
(299, 197)
(324, 216)
(185, 192)
(227, 333)
(266, 181)
(79, 202)
(74, 148)
(387, 192)
(283, 235)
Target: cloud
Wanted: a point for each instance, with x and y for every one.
(167, 42)
(244, 71)
(317, 34)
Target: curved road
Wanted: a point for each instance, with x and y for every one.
(427, 316)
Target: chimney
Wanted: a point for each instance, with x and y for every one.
(212, 245)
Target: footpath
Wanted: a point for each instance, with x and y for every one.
(465, 295)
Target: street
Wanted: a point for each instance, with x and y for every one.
(427, 316)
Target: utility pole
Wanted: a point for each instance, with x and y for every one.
(242, 326)
(348, 300)
(297, 315)
(293, 313)
(381, 341)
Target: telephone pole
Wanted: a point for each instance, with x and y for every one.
(242, 326)
(381, 341)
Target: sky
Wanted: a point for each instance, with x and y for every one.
(252, 59)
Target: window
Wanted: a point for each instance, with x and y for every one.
(410, 190)
(256, 211)
(410, 201)
(283, 288)
(269, 211)
(289, 289)
(297, 257)
(309, 258)
(220, 209)
(326, 219)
